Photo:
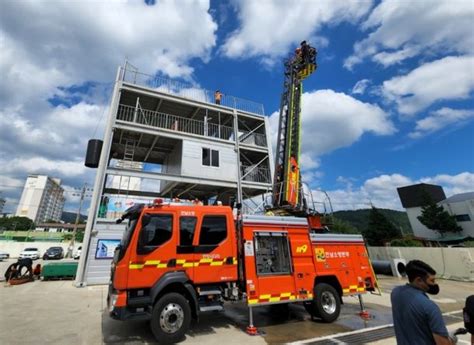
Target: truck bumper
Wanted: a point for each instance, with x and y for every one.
(124, 314)
(119, 310)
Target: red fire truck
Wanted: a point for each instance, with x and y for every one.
(177, 260)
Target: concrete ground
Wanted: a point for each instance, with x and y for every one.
(56, 312)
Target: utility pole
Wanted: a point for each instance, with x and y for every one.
(82, 195)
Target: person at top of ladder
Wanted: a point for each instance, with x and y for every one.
(304, 52)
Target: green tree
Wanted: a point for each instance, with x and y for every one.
(436, 218)
(339, 226)
(379, 230)
(80, 236)
(405, 242)
(17, 223)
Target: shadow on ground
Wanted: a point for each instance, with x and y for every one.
(276, 324)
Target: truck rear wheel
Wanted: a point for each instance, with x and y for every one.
(327, 302)
(170, 318)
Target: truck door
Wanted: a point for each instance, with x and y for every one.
(215, 252)
(185, 252)
(155, 249)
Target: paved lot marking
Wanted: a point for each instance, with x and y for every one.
(363, 330)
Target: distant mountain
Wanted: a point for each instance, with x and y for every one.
(70, 217)
(359, 219)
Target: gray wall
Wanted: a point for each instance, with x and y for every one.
(192, 161)
(449, 263)
(98, 270)
(172, 166)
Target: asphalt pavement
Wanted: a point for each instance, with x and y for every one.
(56, 312)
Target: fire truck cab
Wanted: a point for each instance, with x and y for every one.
(176, 261)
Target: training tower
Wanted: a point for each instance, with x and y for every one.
(169, 139)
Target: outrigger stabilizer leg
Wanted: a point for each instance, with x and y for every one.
(363, 312)
(251, 329)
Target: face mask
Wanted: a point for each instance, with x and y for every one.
(432, 289)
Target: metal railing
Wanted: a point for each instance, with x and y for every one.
(255, 174)
(306, 201)
(187, 90)
(256, 139)
(173, 122)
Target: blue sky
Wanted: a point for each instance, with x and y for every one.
(391, 103)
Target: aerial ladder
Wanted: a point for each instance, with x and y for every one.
(288, 197)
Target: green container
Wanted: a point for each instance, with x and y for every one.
(59, 270)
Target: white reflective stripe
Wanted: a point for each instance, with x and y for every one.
(274, 220)
(336, 238)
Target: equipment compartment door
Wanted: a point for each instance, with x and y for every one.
(271, 266)
(303, 264)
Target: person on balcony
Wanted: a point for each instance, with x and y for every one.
(218, 97)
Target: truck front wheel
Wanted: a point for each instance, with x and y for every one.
(171, 318)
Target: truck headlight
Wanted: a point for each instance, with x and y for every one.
(113, 300)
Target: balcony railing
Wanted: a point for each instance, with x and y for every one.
(256, 139)
(187, 90)
(255, 174)
(173, 122)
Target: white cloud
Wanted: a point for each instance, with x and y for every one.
(398, 30)
(308, 162)
(360, 86)
(456, 184)
(391, 58)
(381, 191)
(311, 177)
(336, 120)
(45, 166)
(269, 28)
(73, 42)
(61, 133)
(440, 119)
(332, 120)
(450, 78)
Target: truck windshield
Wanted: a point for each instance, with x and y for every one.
(132, 214)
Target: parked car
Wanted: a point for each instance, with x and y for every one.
(78, 252)
(32, 253)
(4, 255)
(54, 253)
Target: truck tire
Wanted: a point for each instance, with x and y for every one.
(327, 302)
(170, 318)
